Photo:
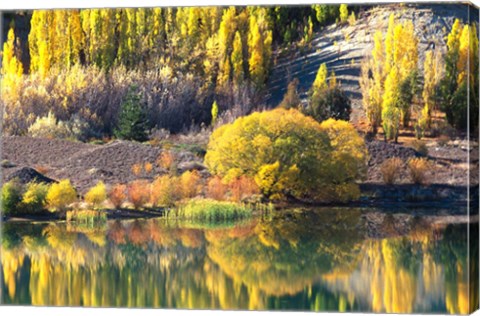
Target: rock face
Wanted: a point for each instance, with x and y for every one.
(26, 175)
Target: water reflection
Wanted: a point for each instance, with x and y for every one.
(326, 260)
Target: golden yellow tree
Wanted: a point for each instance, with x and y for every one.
(237, 59)
(320, 83)
(391, 114)
(12, 68)
(75, 38)
(225, 38)
(432, 71)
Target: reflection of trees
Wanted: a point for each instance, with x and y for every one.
(305, 260)
(284, 256)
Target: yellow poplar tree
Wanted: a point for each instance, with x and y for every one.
(225, 38)
(75, 38)
(40, 41)
(320, 83)
(255, 45)
(431, 80)
(237, 59)
(391, 114)
(12, 67)
(343, 13)
(11, 64)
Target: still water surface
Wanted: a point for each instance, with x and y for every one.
(324, 260)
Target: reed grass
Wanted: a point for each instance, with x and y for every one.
(210, 210)
(87, 217)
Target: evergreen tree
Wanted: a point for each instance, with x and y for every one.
(132, 120)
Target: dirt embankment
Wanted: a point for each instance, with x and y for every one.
(86, 164)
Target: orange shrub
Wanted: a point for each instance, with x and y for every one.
(137, 169)
(164, 191)
(216, 189)
(166, 160)
(138, 193)
(118, 195)
(190, 184)
(148, 167)
(242, 187)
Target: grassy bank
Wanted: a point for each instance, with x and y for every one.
(210, 210)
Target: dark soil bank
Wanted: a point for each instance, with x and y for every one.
(85, 164)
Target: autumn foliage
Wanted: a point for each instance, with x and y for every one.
(118, 195)
(60, 195)
(138, 193)
(289, 154)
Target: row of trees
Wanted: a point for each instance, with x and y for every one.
(221, 53)
(390, 79)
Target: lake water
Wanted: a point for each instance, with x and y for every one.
(321, 260)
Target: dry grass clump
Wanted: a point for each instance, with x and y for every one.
(418, 168)
(138, 193)
(118, 195)
(390, 169)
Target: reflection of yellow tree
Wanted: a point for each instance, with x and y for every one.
(400, 286)
(456, 295)
(11, 261)
(285, 257)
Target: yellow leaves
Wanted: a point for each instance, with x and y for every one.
(286, 152)
(267, 178)
(60, 195)
(464, 55)
(320, 83)
(96, 195)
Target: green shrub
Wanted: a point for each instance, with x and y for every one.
(211, 210)
(96, 195)
(332, 103)
(34, 198)
(11, 197)
(60, 195)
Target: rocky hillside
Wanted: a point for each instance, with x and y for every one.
(343, 47)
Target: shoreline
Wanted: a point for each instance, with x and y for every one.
(448, 207)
